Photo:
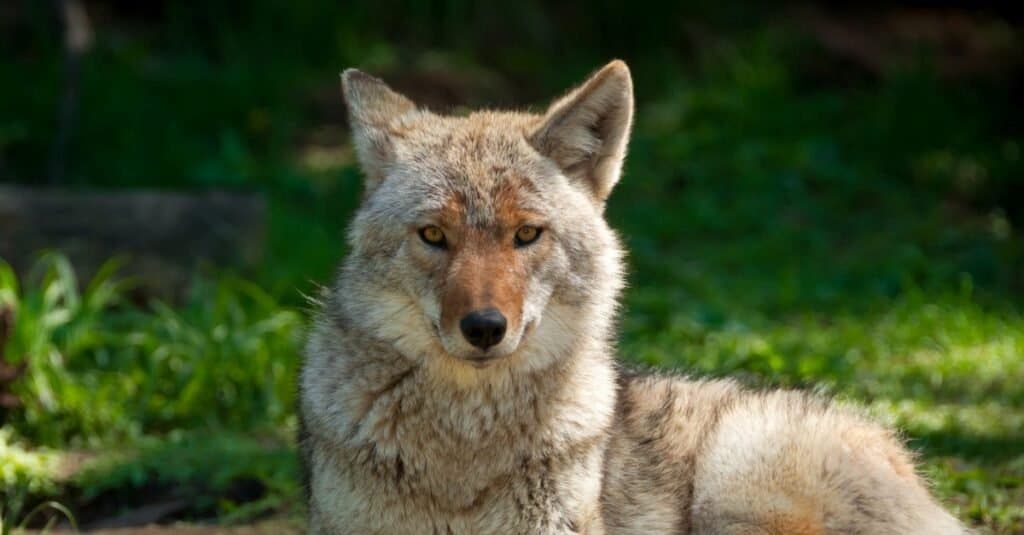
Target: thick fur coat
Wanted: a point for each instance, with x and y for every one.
(414, 422)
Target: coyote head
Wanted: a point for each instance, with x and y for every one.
(480, 239)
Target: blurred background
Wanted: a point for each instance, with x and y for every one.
(818, 194)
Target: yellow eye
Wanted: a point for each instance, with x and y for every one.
(432, 236)
(526, 235)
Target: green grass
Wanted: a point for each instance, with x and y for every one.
(186, 402)
(101, 371)
(24, 474)
(229, 475)
(860, 238)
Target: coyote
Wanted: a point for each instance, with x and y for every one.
(460, 374)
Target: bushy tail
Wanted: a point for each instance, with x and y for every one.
(786, 462)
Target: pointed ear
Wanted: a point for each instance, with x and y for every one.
(373, 109)
(586, 131)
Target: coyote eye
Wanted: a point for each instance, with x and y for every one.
(526, 235)
(433, 236)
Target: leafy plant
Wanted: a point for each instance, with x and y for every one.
(99, 370)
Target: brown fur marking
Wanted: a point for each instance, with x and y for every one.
(483, 274)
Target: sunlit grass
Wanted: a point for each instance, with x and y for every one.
(25, 473)
(111, 377)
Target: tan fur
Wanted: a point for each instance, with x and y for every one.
(404, 429)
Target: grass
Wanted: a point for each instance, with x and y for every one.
(129, 404)
(23, 474)
(214, 362)
(227, 475)
(860, 237)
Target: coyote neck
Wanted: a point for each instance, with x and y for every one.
(449, 445)
(475, 410)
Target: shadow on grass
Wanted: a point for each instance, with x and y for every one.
(984, 449)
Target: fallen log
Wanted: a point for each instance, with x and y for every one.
(164, 236)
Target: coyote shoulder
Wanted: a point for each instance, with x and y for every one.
(460, 377)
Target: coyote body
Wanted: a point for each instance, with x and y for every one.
(460, 376)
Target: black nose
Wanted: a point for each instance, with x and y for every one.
(483, 328)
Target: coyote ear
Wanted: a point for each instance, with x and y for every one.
(586, 131)
(373, 109)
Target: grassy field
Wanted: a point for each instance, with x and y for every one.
(858, 236)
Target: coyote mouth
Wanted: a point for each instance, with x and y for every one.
(481, 361)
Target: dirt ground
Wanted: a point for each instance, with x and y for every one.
(269, 527)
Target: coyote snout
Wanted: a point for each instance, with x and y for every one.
(482, 295)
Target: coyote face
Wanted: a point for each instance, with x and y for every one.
(481, 231)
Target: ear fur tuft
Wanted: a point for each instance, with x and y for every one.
(373, 108)
(586, 132)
